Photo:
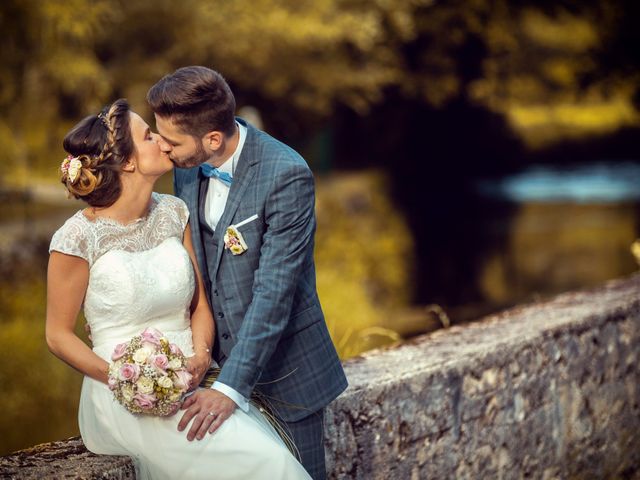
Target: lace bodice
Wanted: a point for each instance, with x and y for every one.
(90, 239)
(140, 274)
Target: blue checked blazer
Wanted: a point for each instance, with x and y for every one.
(270, 329)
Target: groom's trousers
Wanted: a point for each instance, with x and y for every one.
(308, 435)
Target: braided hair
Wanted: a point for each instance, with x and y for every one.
(102, 143)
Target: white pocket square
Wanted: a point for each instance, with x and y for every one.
(246, 220)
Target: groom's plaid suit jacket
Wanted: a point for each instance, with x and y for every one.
(270, 330)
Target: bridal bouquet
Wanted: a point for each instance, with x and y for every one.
(148, 374)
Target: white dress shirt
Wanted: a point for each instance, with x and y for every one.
(218, 191)
(213, 209)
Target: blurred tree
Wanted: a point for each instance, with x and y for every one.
(64, 59)
(544, 70)
(538, 63)
(48, 72)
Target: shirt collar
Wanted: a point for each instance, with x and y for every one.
(230, 165)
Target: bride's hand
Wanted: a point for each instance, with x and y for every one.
(197, 366)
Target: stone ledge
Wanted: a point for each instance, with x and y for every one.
(65, 459)
(547, 390)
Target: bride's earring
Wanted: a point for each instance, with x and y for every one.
(129, 167)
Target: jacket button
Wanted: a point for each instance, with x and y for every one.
(215, 292)
(220, 315)
(225, 336)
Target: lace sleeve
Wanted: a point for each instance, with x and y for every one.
(183, 212)
(178, 209)
(72, 239)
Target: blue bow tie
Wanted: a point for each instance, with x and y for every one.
(209, 171)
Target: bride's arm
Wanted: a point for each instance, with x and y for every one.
(202, 324)
(67, 280)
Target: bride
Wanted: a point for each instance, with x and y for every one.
(128, 258)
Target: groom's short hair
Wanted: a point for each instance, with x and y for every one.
(198, 99)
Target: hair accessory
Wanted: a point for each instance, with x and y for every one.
(102, 116)
(71, 168)
(64, 166)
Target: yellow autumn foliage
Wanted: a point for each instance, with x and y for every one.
(40, 393)
(63, 59)
(364, 257)
(635, 250)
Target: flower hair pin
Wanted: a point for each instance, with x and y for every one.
(71, 168)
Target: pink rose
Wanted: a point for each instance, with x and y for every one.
(129, 372)
(151, 335)
(145, 400)
(182, 380)
(174, 349)
(113, 383)
(161, 362)
(119, 351)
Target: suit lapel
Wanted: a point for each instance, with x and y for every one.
(241, 179)
(191, 196)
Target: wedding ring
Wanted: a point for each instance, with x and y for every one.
(212, 414)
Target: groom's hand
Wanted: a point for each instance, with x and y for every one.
(199, 408)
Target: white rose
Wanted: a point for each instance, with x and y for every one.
(165, 382)
(145, 385)
(142, 354)
(175, 363)
(127, 393)
(174, 397)
(115, 366)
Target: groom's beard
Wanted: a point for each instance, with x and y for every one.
(198, 158)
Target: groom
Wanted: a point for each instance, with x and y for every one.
(260, 279)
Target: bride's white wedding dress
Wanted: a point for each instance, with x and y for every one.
(141, 276)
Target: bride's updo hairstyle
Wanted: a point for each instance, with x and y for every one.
(98, 147)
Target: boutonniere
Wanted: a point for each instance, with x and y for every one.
(233, 239)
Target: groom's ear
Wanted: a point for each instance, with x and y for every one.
(213, 140)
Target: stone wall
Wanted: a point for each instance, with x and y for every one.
(548, 390)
